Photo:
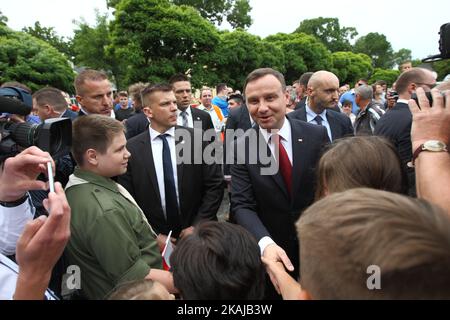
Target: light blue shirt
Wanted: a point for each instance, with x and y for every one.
(311, 115)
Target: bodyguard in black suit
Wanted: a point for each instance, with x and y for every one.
(396, 124)
(323, 94)
(136, 124)
(238, 118)
(197, 188)
(187, 115)
(268, 203)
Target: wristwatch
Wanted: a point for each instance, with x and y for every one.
(430, 145)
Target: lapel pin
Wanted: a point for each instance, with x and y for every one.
(182, 142)
(300, 140)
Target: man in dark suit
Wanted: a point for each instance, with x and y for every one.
(273, 174)
(94, 93)
(50, 103)
(138, 122)
(167, 175)
(187, 115)
(238, 122)
(396, 124)
(301, 89)
(323, 94)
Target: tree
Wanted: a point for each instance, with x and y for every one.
(442, 68)
(376, 46)
(302, 53)
(390, 76)
(401, 56)
(3, 19)
(236, 12)
(156, 39)
(349, 66)
(51, 37)
(92, 48)
(239, 53)
(33, 62)
(329, 31)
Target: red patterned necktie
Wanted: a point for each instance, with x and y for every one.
(284, 163)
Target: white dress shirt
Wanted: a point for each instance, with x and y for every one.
(157, 150)
(286, 140)
(12, 223)
(310, 118)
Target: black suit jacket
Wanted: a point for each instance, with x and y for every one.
(200, 186)
(340, 124)
(238, 118)
(260, 203)
(301, 104)
(136, 124)
(396, 126)
(204, 117)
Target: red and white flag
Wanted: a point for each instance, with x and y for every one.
(168, 249)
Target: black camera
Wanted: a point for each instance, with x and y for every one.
(53, 135)
(444, 45)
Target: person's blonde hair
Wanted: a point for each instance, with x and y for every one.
(345, 236)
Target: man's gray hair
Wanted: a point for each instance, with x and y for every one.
(365, 92)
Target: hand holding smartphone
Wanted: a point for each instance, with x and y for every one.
(51, 181)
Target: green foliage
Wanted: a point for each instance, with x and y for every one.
(302, 53)
(390, 76)
(239, 53)
(92, 48)
(349, 66)
(32, 61)
(329, 31)
(401, 56)
(378, 48)
(236, 12)
(49, 35)
(442, 68)
(3, 19)
(156, 39)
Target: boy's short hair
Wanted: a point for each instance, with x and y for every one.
(219, 261)
(343, 236)
(136, 290)
(123, 94)
(93, 132)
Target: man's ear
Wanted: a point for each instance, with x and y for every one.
(91, 157)
(148, 112)
(79, 99)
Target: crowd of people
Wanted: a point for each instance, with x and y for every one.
(325, 184)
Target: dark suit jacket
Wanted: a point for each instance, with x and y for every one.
(200, 186)
(136, 124)
(301, 104)
(340, 124)
(238, 118)
(260, 203)
(396, 126)
(204, 117)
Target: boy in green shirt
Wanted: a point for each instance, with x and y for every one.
(111, 241)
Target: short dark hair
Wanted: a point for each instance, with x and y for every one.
(151, 89)
(220, 87)
(93, 132)
(236, 97)
(304, 78)
(406, 78)
(88, 75)
(51, 96)
(344, 234)
(218, 261)
(123, 94)
(178, 78)
(262, 72)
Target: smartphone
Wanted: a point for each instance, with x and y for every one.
(51, 181)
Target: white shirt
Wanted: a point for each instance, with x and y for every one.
(157, 150)
(189, 117)
(286, 134)
(12, 223)
(310, 118)
(218, 124)
(9, 272)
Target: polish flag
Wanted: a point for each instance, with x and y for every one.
(167, 252)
